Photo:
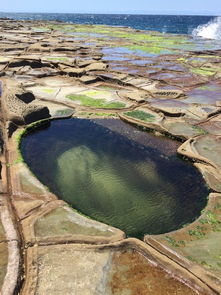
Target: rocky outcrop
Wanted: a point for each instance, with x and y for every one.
(22, 109)
(148, 82)
(26, 97)
(35, 113)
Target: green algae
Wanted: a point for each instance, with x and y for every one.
(18, 139)
(151, 37)
(48, 90)
(203, 250)
(99, 103)
(141, 37)
(173, 242)
(213, 220)
(202, 71)
(146, 48)
(91, 114)
(196, 62)
(2, 58)
(202, 245)
(95, 93)
(141, 115)
(182, 59)
(81, 29)
(199, 130)
(23, 132)
(198, 232)
(106, 88)
(149, 42)
(57, 58)
(208, 88)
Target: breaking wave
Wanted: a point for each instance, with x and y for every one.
(211, 30)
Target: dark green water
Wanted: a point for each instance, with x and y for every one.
(116, 174)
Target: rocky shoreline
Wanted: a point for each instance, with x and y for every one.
(168, 84)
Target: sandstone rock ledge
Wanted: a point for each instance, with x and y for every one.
(52, 70)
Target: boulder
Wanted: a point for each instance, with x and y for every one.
(35, 113)
(26, 97)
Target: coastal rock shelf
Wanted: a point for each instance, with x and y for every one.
(167, 84)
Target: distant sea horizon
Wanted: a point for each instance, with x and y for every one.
(117, 13)
(175, 24)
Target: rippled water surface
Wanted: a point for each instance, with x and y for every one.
(116, 174)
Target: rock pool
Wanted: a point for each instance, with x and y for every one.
(114, 173)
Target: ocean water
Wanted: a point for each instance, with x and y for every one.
(200, 26)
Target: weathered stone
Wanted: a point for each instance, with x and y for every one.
(56, 223)
(3, 262)
(69, 49)
(26, 97)
(16, 119)
(38, 47)
(11, 128)
(177, 93)
(194, 246)
(35, 113)
(115, 269)
(22, 63)
(137, 96)
(96, 67)
(89, 79)
(74, 72)
(167, 93)
(84, 63)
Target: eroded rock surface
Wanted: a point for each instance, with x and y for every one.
(169, 84)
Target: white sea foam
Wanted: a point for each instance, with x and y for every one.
(211, 30)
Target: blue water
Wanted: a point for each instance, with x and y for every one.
(176, 24)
